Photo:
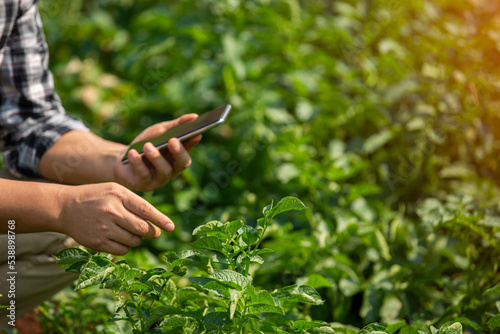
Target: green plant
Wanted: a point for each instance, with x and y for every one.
(221, 299)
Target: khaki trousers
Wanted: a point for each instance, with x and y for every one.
(37, 276)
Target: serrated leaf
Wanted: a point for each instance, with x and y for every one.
(160, 312)
(209, 243)
(286, 204)
(299, 293)
(373, 329)
(70, 256)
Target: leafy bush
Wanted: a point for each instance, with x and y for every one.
(380, 115)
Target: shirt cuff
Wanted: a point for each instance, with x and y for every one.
(37, 137)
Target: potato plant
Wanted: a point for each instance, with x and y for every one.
(221, 299)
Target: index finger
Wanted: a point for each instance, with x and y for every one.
(147, 211)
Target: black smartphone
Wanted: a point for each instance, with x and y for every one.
(184, 131)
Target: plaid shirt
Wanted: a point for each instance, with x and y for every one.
(31, 115)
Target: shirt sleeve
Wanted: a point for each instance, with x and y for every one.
(32, 117)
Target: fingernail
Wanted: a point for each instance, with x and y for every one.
(170, 227)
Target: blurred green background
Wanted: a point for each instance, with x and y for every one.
(381, 115)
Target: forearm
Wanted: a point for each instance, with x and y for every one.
(35, 206)
(80, 157)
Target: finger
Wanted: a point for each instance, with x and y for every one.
(180, 120)
(139, 167)
(161, 165)
(145, 210)
(186, 118)
(112, 247)
(138, 226)
(189, 144)
(181, 157)
(124, 237)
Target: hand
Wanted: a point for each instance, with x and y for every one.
(107, 217)
(162, 166)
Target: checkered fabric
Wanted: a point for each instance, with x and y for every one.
(31, 115)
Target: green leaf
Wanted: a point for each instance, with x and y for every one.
(169, 257)
(234, 298)
(493, 291)
(70, 256)
(299, 293)
(160, 312)
(112, 284)
(76, 267)
(155, 272)
(317, 281)
(249, 235)
(131, 273)
(213, 228)
(139, 286)
(233, 278)
(233, 227)
(261, 297)
(451, 328)
(209, 243)
(495, 321)
(262, 251)
(373, 329)
(264, 308)
(217, 319)
(286, 204)
(95, 270)
(392, 328)
(304, 324)
(194, 259)
(321, 330)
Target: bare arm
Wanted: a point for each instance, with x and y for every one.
(104, 217)
(81, 157)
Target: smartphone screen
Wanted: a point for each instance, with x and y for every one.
(186, 130)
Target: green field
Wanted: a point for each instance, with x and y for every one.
(379, 115)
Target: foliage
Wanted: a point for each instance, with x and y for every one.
(379, 114)
(223, 299)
